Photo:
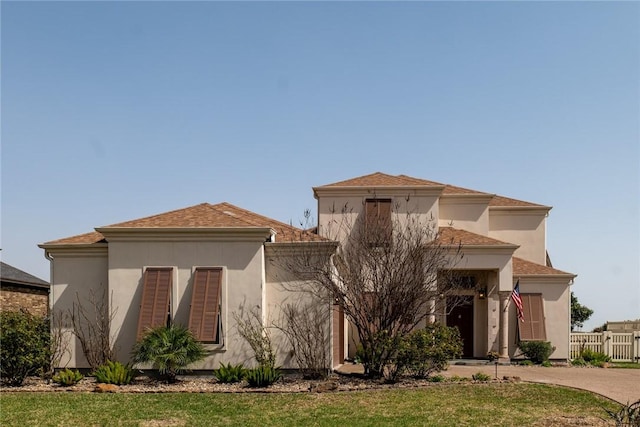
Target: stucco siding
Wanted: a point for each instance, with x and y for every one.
(338, 214)
(242, 264)
(76, 278)
(470, 216)
(526, 230)
(556, 301)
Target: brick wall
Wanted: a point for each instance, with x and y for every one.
(13, 298)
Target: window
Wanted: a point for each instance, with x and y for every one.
(378, 221)
(204, 316)
(533, 328)
(156, 297)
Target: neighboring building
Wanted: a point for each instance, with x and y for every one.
(21, 290)
(201, 265)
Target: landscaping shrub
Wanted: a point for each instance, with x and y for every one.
(24, 348)
(578, 362)
(480, 376)
(114, 373)
(537, 351)
(67, 377)
(263, 376)
(594, 358)
(428, 350)
(169, 349)
(436, 378)
(230, 373)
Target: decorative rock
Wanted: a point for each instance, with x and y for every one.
(323, 387)
(106, 388)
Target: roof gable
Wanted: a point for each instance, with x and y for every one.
(522, 267)
(204, 215)
(379, 179)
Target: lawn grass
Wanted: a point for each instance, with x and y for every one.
(624, 365)
(442, 405)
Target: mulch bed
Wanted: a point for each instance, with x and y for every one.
(291, 383)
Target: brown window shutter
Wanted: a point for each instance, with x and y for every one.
(204, 316)
(156, 294)
(533, 327)
(378, 220)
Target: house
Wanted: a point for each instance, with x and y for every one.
(21, 290)
(204, 265)
(503, 241)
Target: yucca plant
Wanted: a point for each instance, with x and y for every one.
(230, 373)
(169, 349)
(114, 373)
(627, 415)
(67, 377)
(263, 376)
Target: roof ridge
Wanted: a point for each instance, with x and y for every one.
(254, 214)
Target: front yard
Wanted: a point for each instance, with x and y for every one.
(495, 404)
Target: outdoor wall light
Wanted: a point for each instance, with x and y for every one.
(482, 293)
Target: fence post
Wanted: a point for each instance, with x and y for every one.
(635, 353)
(606, 343)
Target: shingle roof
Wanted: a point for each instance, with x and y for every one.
(12, 274)
(80, 239)
(523, 267)
(204, 215)
(379, 179)
(450, 235)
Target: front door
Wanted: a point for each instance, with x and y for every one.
(461, 316)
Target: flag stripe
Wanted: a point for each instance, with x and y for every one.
(517, 300)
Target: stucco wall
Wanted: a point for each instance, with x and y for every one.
(243, 284)
(465, 214)
(524, 228)
(556, 297)
(337, 214)
(76, 277)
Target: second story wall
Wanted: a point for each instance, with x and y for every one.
(525, 227)
(340, 210)
(470, 213)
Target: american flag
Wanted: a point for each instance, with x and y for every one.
(517, 300)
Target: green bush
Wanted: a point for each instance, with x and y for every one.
(578, 362)
(230, 373)
(25, 347)
(526, 363)
(480, 376)
(594, 357)
(114, 373)
(546, 364)
(537, 351)
(170, 349)
(436, 378)
(428, 350)
(67, 377)
(263, 376)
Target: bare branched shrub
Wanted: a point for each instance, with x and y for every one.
(306, 328)
(58, 342)
(91, 322)
(250, 327)
(389, 274)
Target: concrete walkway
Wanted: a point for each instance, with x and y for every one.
(621, 385)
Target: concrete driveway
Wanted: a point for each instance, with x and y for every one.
(621, 385)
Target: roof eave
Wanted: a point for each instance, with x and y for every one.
(193, 233)
(349, 190)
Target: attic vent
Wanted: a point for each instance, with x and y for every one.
(229, 213)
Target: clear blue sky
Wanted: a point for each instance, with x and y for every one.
(116, 110)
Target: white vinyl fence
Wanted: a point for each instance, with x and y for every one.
(621, 347)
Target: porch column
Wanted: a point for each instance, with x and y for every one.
(503, 350)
